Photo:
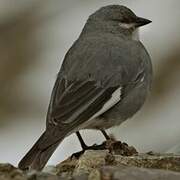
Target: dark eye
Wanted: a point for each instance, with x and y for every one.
(116, 20)
(121, 20)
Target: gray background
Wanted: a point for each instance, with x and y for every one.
(34, 37)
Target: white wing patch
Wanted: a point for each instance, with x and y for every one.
(115, 98)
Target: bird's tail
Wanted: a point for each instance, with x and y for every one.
(37, 157)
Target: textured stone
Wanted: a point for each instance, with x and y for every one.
(95, 159)
(9, 172)
(101, 165)
(94, 175)
(158, 161)
(42, 176)
(135, 173)
(89, 161)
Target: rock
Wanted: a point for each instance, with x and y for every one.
(134, 173)
(90, 161)
(102, 165)
(95, 159)
(42, 176)
(9, 172)
(158, 161)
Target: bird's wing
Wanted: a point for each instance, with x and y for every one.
(80, 101)
(73, 103)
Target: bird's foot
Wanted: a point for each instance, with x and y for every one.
(114, 147)
(93, 147)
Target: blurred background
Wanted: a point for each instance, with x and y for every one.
(34, 37)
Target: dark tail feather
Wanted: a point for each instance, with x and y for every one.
(37, 158)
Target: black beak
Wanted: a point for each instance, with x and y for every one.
(142, 21)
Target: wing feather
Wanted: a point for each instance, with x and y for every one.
(76, 99)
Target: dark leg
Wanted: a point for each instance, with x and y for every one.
(114, 146)
(118, 147)
(83, 145)
(105, 134)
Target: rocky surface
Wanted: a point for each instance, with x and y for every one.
(101, 165)
(8, 172)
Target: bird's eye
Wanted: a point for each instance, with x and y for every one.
(116, 20)
(120, 20)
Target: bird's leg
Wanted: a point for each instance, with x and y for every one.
(85, 147)
(117, 147)
(109, 140)
(105, 134)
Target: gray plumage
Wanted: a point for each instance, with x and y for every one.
(103, 60)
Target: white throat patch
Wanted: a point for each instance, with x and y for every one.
(135, 34)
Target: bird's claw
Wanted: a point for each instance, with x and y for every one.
(93, 147)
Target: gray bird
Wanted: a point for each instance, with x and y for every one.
(104, 80)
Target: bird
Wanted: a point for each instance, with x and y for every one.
(104, 80)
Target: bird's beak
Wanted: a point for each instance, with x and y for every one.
(142, 21)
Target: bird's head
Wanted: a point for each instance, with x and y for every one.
(116, 18)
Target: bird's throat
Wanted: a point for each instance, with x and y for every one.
(135, 35)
